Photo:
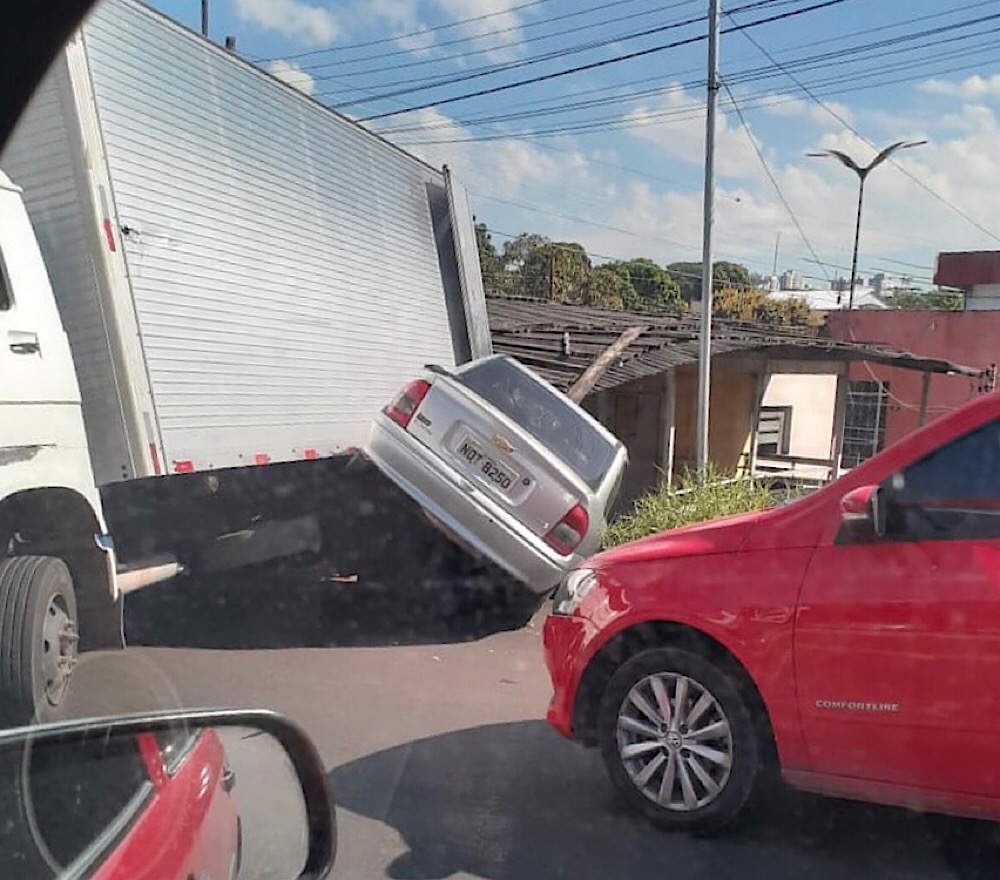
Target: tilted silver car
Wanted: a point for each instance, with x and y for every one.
(506, 465)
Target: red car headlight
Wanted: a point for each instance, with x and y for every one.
(572, 591)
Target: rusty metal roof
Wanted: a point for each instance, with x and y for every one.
(533, 332)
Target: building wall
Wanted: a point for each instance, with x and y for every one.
(813, 399)
(730, 414)
(968, 338)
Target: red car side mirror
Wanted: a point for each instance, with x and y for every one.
(863, 505)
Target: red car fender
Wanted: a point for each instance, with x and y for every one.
(755, 624)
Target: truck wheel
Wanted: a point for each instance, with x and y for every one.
(38, 637)
(678, 740)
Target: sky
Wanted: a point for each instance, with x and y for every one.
(612, 156)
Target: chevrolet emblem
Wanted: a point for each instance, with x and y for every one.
(502, 443)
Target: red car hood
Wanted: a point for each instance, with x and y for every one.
(724, 535)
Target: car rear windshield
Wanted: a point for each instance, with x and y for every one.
(545, 415)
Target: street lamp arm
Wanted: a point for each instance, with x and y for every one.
(888, 151)
(841, 157)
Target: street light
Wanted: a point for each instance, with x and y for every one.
(863, 171)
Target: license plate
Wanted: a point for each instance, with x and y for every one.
(500, 476)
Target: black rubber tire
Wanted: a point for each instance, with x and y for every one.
(727, 806)
(27, 586)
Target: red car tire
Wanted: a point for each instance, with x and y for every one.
(693, 777)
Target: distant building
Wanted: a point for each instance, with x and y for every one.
(975, 272)
(828, 299)
(792, 280)
(886, 285)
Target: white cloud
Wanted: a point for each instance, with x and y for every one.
(620, 216)
(675, 123)
(291, 73)
(791, 106)
(973, 88)
(301, 22)
(497, 26)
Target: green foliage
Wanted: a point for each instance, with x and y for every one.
(653, 288)
(489, 259)
(607, 289)
(555, 271)
(724, 274)
(758, 307)
(699, 496)
(942, 300)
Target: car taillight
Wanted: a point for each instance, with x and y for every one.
(402, 409)
(569, 531)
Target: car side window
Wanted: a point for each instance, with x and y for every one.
(5, 297)
(951, 494)
(79, 792)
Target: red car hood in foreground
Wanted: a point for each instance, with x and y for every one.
(723, 535)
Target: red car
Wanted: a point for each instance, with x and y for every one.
(852, 636)
(138, 807)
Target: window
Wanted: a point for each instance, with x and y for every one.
(545, 416)
(864, 421)
(953, 493)
(774, 430)
(80, 790)
(5, 298)
(175, 745)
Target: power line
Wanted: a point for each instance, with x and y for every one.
(616, 123)
(583, 220)
(607, 61)
(839, 117)
(489, 70)
(418, 33)
(754, 74)
(770, 175)
(600, 23)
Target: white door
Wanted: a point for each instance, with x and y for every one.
(35, 362)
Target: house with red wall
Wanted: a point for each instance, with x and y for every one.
(886, 403)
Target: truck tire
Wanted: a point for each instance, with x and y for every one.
(38, 637)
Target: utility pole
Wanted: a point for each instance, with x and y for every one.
(204, 18)
(777, 242)
(705, 342)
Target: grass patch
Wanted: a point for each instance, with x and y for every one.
(697, 497)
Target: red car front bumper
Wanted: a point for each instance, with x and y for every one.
(568, 647)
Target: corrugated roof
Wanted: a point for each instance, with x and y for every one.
(534, 331)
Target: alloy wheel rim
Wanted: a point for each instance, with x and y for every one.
(675, 741)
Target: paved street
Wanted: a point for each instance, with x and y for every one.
(438, 757)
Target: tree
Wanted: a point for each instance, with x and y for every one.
(688, 279)
(653, 287)
(943, 300)
(724, 274)
(489, 260)
(733, 275)
(555, 271)
(607, 289)
(759, 308)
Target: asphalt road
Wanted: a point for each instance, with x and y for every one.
(438, 758)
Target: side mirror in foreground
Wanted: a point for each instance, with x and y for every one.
(863, 507)
(172, 795)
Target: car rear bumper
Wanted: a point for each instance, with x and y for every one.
(469, 517)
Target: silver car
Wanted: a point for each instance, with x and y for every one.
(502, 462)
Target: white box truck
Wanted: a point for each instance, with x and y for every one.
(209, 282)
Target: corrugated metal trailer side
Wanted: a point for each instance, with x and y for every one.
(282, 260)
